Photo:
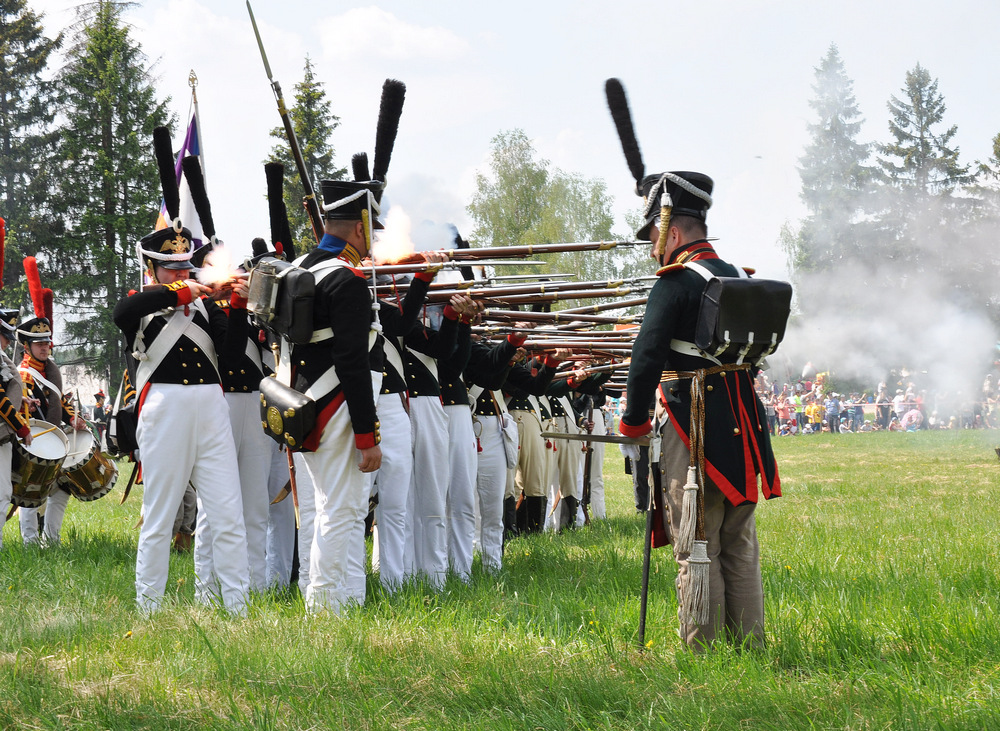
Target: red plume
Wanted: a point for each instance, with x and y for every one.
(47, 305)
(3, 238)
(34, 285)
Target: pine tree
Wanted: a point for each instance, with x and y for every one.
(109, 191)
(921, 157)
(922, 171)
(314, 124)
(26, 138)
(835, 178)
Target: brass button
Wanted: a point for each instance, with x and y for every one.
(196, 350)
(184, 365)
(230, 373)
(185, 381)
(244, 388)
(243, 373)
(201, 380)
(736, 430)
(302, 362)
(709, 388)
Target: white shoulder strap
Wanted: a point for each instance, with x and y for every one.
(38, 377)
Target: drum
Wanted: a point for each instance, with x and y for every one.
(34, 467)
(87, 474)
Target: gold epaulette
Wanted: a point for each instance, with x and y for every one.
(174, 286)
(669, 268)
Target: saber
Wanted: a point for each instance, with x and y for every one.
(309, 200)
(607, 438)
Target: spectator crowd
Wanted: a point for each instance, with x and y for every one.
(810, 406)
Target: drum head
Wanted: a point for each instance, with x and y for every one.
(80, 444)
(47, 441)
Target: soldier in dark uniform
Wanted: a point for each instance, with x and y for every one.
(340, 369)
(737, 444)
(13, 424)
(175, 330)
(45, 400)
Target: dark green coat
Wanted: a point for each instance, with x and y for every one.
(737, 441)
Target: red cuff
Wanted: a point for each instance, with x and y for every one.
(24, 431)
(183, 292)
(635, 431)
(551, 362)
(450, 312)
(516, 340)
(369, 440)
(237, 303)
(425, 276)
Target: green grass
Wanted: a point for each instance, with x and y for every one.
(881, 579)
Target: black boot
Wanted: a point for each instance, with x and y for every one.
(535, 513)
(509, 518)
(570, 508)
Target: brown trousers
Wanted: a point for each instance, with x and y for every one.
(735, 589)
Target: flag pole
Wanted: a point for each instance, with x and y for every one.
(193, 83)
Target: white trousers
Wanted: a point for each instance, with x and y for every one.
(431, 474)
(252, 459)
(491, 482)
(461, 503)
(55, 511)
(280, 520)
(341, 504)
(6, 488)
(597, 508)
(392, 482)
(184, 435)
(306, 491)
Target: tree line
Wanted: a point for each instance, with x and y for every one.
(79, 186)
(904, 215)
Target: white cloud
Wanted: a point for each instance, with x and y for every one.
(369, 33)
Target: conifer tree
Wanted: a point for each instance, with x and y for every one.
(108, 192)
(26, 140)
(835, 178)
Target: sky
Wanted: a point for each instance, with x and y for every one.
(720, 87)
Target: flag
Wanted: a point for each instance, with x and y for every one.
(188, 215)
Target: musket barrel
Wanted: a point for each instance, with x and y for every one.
(516, 315)
(502, 252)
(605, 306)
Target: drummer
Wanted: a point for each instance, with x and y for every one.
(13, 422)
(44, 399)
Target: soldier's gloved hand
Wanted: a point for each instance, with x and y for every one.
(631, 451)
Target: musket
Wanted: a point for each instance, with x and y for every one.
(551, 317)
(434, 266)
(309, 200)
(535, 344)
(575, 294)
(535, 288)
(502, 252)
(593, 369)
(603, 307)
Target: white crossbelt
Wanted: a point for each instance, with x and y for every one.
(29, 371)
(178, 325)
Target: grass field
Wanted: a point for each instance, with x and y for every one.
(880, 575)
